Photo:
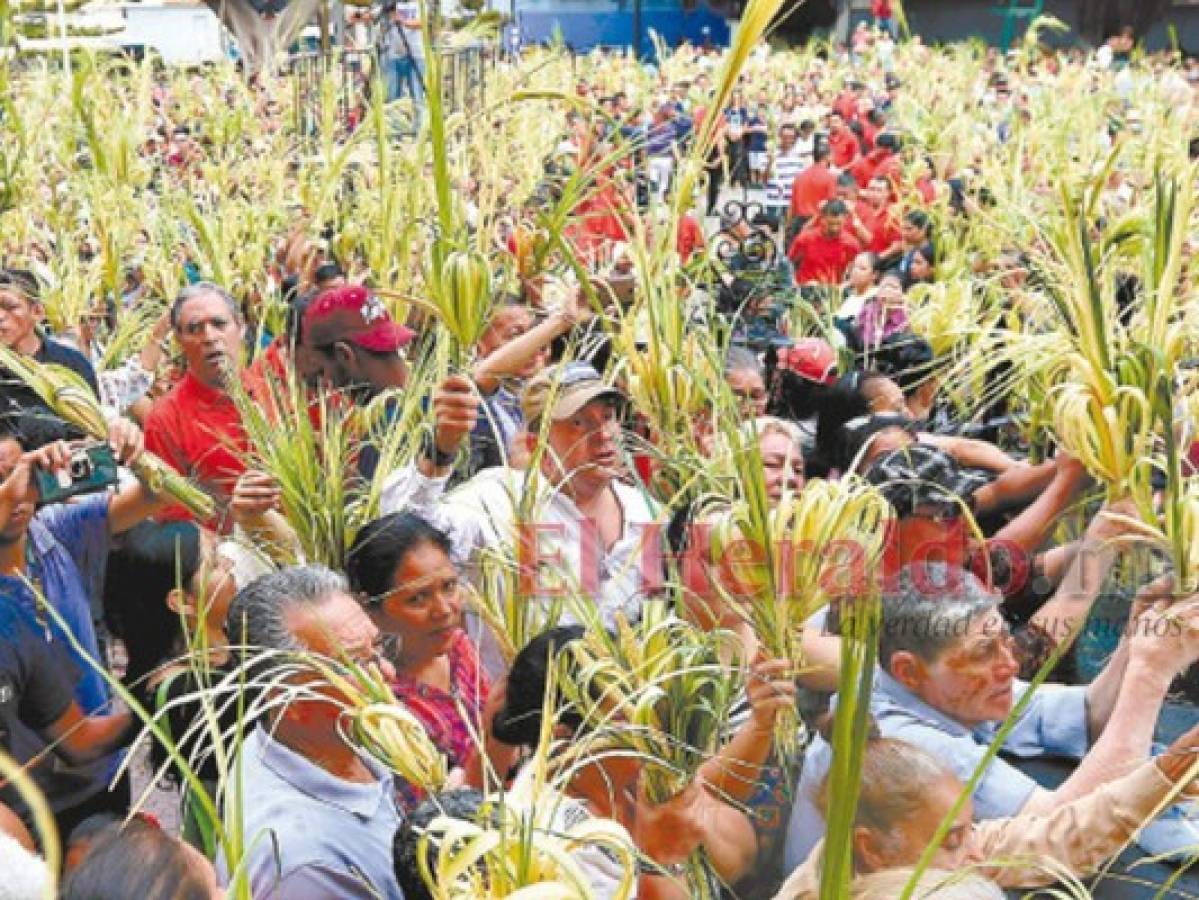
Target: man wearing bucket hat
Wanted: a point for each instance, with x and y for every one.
(586, 529)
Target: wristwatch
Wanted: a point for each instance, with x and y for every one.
(436, 455)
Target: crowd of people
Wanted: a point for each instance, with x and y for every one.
(830, 272)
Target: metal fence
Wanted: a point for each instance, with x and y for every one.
(357, 74)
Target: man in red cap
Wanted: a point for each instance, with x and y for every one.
(354, 342)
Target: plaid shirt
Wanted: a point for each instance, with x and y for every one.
(919, 476)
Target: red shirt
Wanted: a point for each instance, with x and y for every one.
(881, 9)
(877, 162)
(846, 106)
(690, 237)
(197, 431)
(843, 148)
(881, 223)
(810, 189)
(820, 259)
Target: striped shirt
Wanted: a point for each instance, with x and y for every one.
(782, 175)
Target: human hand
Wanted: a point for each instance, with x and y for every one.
(126, 440)
(668, 832)
(1180, 757)
(1116, 520)
(254, 495)
(1164, 636)
(455, 411)
(770, 688)
(1069, 468)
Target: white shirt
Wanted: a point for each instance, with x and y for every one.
(560, 815)
(482, 514)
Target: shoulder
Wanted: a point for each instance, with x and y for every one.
(16, 630)
(60, 519)
(165, 409)
(638, 505)
(62, 354)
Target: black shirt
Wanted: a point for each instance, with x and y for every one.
(34, 688)
(52, 351)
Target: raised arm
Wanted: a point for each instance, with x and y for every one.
(1164, 640)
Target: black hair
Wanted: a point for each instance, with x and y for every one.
(381, 546)
(326, 271)
(918, 218)
(289, 288)
(841, 403)
(846, 179)
(153, 560)
(906, 358)
(293, 321)
(23, 281)
(835, 208)
(519, 721)
(820, 152)
(463, 804)
(138, 860)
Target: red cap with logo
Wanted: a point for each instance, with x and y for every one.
(810, 358)
(352, 313)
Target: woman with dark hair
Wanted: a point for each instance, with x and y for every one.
(400, 569)
(143, 862)
(608, 786)
(919, 265)
(167, 592)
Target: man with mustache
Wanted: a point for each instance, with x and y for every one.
(196, 426)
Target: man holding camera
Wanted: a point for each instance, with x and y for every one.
(56, 553)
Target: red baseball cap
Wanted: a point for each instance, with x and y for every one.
(352, 313)
(810, 358)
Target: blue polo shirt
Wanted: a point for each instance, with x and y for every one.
(1054, 724)
(68, 548)
(310, 834)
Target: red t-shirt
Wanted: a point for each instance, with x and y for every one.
(881, 9)
(811, 188)
(820, 259)
(843, 148)
(877, 162)
(846, 106)
(881, 223)
(197, 431)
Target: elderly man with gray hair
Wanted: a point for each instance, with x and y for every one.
(196, 427)
(318, 817)
(947, 679)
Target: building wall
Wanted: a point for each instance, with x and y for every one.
(589, 23)
(954, 20)
(585, 24)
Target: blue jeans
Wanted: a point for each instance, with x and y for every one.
(404, 78)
